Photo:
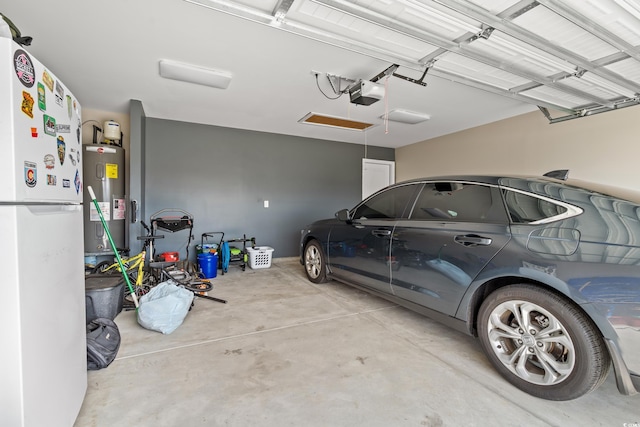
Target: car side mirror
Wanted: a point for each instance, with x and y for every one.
(343, 215)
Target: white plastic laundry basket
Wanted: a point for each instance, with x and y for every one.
(260, 257)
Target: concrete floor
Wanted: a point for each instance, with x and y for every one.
(285, 352)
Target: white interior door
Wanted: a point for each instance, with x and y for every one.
(377, 174)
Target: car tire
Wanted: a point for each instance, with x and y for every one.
(315, 265)
(542, 343)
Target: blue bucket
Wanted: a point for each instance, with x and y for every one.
(208, 264)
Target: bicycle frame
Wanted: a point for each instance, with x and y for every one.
(131, 264)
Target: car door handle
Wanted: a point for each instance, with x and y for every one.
(472, 240)
(381, 233)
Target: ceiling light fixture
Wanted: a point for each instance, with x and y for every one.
(194, 74)
(405, 116)
(332, 121)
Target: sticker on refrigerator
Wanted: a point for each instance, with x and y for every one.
(49, 125)
(34, 132)
(77, 182)
(42, 97)
(27, 104)
(24, 68)
(49, 161)
(119, 209)
(62, 150)
(69, 107)
(104, 207)
(59, 93)
(74, 156)
(111, 170)
(66, 183)
(52, 180)
(30, 174)
(47, 79)
(63, 128)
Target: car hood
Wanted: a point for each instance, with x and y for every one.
(327, 221)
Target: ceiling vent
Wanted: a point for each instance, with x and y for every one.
(337, 122)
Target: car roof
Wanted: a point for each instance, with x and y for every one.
(520, 181)
(484, 179)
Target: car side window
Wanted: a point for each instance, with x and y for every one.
(390, 204)
(454, 201)
(524, 208)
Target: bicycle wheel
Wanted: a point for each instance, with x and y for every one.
(101, 266)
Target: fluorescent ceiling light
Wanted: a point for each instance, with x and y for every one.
(331, 121)
(405, 116)
(194, 74)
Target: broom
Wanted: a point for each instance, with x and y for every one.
(113, 246)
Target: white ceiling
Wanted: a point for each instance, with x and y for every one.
(485, 60)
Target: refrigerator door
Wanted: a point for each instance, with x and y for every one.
(40, 132)
(43, 362)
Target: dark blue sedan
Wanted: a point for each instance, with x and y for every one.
(543, 270)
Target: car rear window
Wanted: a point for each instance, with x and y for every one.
(524, 208)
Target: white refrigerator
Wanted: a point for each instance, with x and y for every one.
(43, 362)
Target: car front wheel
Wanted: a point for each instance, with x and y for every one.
(314, 262)
(541, 343)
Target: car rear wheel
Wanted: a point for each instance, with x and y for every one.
(541, 343)
(314, 262)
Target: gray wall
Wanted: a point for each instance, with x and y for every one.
(136, 172)
(222, 177)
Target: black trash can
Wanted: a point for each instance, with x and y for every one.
(104, 296)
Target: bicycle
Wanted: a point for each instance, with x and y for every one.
(134, 267)
(145, 276)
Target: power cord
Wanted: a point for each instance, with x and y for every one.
(339, 93)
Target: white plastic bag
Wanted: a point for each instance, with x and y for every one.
(164, 307)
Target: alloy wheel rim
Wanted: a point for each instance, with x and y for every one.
(312, 261)
(531, 342)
